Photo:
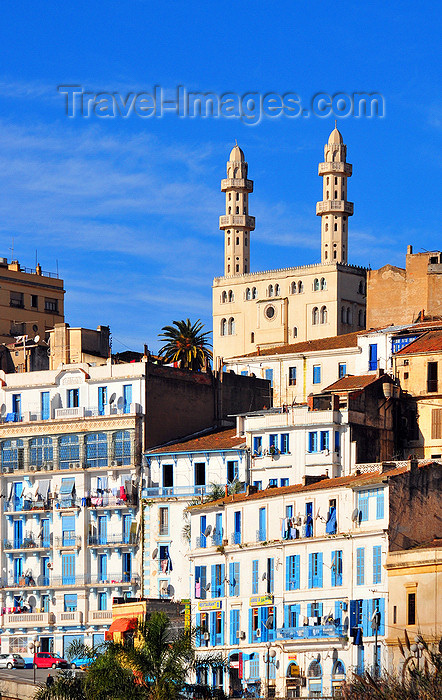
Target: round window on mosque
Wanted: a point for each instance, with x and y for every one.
(270, 311)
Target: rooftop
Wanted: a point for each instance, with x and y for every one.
(224, 439)
(349, 340)
(428, 342)
(352, 382)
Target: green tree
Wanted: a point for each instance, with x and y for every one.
(186, 344)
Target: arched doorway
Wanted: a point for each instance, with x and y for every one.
(338, 677)
(314, 675)
(293, 680)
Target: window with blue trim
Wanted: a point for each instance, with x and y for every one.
(379, 504)
(284, 443)
(360, 566)
(336, 568)
(68, 451)
(363, 505)
(273, 443)
(127, 397)
(70, 602)
(313, 441)
(268, 374)
(234, 626)
(315, 570)
(102, 400)
(284, 482)
(254, 666)
(372, 356)
(257, 445)
(254, 576)
(377, 558)
(273, 482)
(73, 398)
(316, 374)
(200, 582)
(45, 405)
(325, 440)
(12, 454)
(102, 601)
(399, 343)
(342, 370)
(292, 573)
(217, 585)
(234, 579)
(292, 376)
(258, 485)
(41, 450)
(122, 445)
(96, 449)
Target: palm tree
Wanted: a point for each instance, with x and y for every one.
(65, 687)
(186, 345)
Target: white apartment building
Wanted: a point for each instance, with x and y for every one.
(177, 475)
(300, 574)
(70, 459)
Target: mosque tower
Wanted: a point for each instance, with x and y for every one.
(236, 222)
(334, 209)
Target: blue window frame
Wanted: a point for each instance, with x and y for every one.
(254, 666)
(268, 374)
(68, 530)
(316, 374)
(313, 441)
(16, 407)
(377, 559)
(73, 398)
(237, 527)
(315, 570)
(360, 566)
(203, 525)
(70, 602)
(200, 582)
(102, 567)
(379, 504)
(337, 441)
(96, 450)
(232, 471)
(284, 449)
(122, 447)
(292, 376)
(270, 575)
(273, 443)
(262, 531)
(372, 356)
(234, 626)
(68, 569)
(102, 399)
(102, 601)
(258, 485)
(284, 482)
(217, 583)
(309, 519)
(45, 405)
(363, 505)
(273, 482)
(342, 370)
(234, 579)
(257, 445)
(127, 397)
(12, 454)
(325, 440)
(18, 570)
(336, 568)
(68, 451)
(127, 525)
(18, 534)
(41, 450)
(254, 576)
(45, 532)
(292, 573)
(127, 566)
(291, 615)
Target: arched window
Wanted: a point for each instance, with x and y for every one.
(237, 196)
(361, 287)
(237, 268)
(231, 326)
(270, 290)
(316, 285)
(248, 294)
(277, 290)
(315, 316)
(295, 332)
(254, 293)
(68, 451)
(96, 449)
(231, 295)
(293, 288)
(224, 297)
(12, 455)
(121, 447)
(323, 283)
(314, 670)
(41, 451)
(349, 320)
(324, 315)
(300, 287)
(237, 211)
(338, 668)
(343, 315)
(223, 327)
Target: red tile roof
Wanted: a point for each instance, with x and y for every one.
(349, 340)
(428, 342)
(352, 382)
(216, 440)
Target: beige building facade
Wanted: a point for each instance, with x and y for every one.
(396, 295)
(276, 307)
(31, 301)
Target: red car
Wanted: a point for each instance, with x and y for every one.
(46, 659)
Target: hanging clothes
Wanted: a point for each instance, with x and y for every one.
(331, 523)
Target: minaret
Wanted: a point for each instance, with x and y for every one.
(334, 209)
(236, 222)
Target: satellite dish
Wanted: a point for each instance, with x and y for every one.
(355, 515)
(269, 622)
(155, 553)
(36, 339)
(264, 576)
(207, 588)
(207, 531)
(112, 398)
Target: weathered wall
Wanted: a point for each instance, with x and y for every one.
(415, 507)
(179, 403)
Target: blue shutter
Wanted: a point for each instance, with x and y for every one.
(338, 611)
(379, 504)
(297, 572)
(271, 575)
(319, 581)
(222, 583)
(222, 627)
(353, 615)
(286, 615)
(287, 573)
(262, 617)
(231, 580)
(310, 570)
(309, 610)
(250, 625)
(232, 627)
(255, 576)
(381, 630)
(45, 406)
(366, 619)
(198, 625)
(213, 628)
(237, 578)
(213, 585)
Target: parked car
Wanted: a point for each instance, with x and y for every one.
(81, 662)
(46, 659)
(12, 661)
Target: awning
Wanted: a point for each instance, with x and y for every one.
(43, 487)
(67, 486)
(123, 624)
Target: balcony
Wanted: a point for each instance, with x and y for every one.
(335, 168)
(18, 505)
(74, 412)
(236, 183)
(311, 632)
(71, 618)
(235, 538)
(174, 492)
(28, 543)
(40, 619)
(66, 542)
(114, 580)
(26, 582)
(237, 220)
(261, 535)
(112, 540)
(334, 205)
(201, 542)
(99, 617)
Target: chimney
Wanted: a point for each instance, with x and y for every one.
(226, 490)
(412, 465)
(409, 250)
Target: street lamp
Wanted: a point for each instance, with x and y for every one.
(269, 654)
(33, 648)
(417, 649)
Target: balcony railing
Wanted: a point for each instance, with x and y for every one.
(175, 491)
(29, 543)
(115, 579)
(261, 535)
(18, 505)
(311, 632)
(110, 540)
(73, 617)
(40, 619)
(103, 616)
(201, 542)
(217, 539)
(68, 541)
(235, 538)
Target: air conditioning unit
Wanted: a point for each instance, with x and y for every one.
(114, 463)
(206, 636)
(77, 465)
(257, 633)
(32, 467)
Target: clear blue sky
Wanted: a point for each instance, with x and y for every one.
(129, 207)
